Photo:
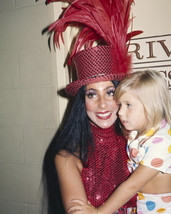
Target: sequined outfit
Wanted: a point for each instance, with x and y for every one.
(107, 166)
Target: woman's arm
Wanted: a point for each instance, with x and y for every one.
(69, 175)
(139, 178)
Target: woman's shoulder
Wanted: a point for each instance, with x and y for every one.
(66, 159)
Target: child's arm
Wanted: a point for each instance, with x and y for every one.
(139, 178)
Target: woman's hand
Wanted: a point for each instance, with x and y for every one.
(81, 207)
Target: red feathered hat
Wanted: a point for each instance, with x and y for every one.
(105, 22)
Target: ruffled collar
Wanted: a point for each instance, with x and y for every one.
(150, 133)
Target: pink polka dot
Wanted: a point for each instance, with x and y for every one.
(163, 123)
(134, 152)
(157, 140)
(166, 199)
(157, 162)
(139, 212)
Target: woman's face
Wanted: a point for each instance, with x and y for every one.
(100, 105)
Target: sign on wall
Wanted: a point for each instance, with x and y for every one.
(152, 53)
(152, 50)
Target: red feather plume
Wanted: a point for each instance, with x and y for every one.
(104, 21)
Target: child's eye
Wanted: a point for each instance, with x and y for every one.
(128, 105)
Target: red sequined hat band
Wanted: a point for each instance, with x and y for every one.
(94, 65)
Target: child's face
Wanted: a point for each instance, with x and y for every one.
(131, 112)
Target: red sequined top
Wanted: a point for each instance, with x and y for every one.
(107, 166)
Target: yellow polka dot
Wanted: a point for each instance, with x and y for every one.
(169, 132)
(141, 196)
(142, 162)
(169, 149)
(161, 210)
(150, 133)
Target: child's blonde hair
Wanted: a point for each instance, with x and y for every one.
(151, 89)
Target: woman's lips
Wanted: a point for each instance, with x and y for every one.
(104, 115)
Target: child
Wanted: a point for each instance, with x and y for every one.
(145, 113)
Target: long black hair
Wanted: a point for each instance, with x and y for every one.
(76, 135)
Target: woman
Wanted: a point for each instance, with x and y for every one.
(90, 156)
(94, 179)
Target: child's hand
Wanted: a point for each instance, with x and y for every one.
(81, 207)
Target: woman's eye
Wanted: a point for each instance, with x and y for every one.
(111, 92)
(90, 94)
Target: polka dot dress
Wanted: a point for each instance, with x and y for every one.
(154, 203)
(154, 152)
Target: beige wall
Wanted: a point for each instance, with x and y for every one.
(30, 110)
